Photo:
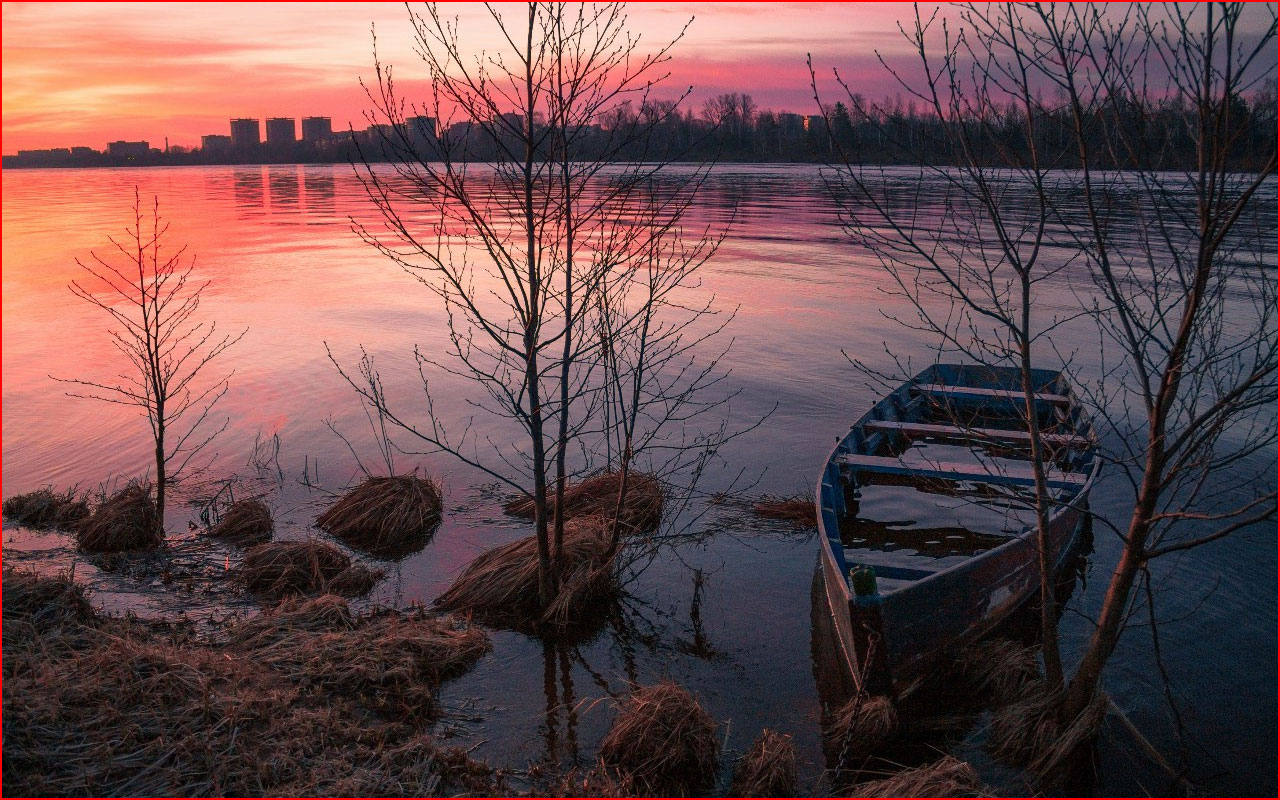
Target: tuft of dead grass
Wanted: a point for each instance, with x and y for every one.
(286, 569)
(597, 781)
(123, 709)
(768, 769)
(42, 600)
(1025, 726)
(127, 520)
(388, 517)
(999, 668)
(1028, 732)
(798, 510)
(45, 509)
(245, 523)
(393, 661)
(501, 586)
(598, 496)
(663, 741)
(862, 726)
(947, 777)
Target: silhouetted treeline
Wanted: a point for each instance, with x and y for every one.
(731, 128)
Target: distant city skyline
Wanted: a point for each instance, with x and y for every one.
(79, 75)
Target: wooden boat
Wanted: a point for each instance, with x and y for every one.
(933, 491)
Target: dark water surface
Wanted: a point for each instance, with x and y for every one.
(277, 244)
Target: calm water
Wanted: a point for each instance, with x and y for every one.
(276, 241)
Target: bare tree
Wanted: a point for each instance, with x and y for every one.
(1062, 160)
(535, 253)
(151, 295)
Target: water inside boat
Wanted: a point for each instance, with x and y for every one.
(910, 526)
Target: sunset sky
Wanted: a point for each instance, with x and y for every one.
(85, 74)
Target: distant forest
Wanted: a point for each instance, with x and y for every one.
(730, 128)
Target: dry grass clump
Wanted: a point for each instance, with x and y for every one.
(598, 781)
(45, 509)
(124, 710)
(127, 520)
(948, 777)
(287, 569)
(246, 522)
(768, 769)
(1025, 726)
(862, 726)
(389, 517)
(598, 496)
(42, 600)
(1000, 668)
(501, 586)
(663, 741)
(394, 662)
(1028, 732)
(798, 510)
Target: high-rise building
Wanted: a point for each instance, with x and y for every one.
(124, 149)
(215, 143)
(280, 130)
(421, 127)
(317, 129)
(245, 133)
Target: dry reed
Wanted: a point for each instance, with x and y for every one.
(501, 585)
(125, 710)
(285, 569)
(45, 509)
(598, 496)
(246, 522)
(43, 600)
(768, 769)
(798, 510)
(947, 777)
(127, 520)
(663, 741)
(390, 517)
(394, 662)
(862, 726)
(1030, 733)
(1000, 668)
(598, 781)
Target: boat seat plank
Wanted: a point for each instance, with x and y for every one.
(1006, 475)
(988, 394)
(993, 434)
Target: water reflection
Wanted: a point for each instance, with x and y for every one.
(737, 636)
(248, 188)
(284, 188)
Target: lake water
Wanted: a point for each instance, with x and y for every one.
(277, 244)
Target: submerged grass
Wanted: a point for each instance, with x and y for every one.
(127, 520)
(45, 509)
(768, 769)
(798, 510)
(246, 522)
(390, 517)
(100, 706)
(287, 569)
(663, 742)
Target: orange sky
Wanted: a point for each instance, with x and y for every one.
(88, 73)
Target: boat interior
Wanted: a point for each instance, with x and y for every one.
(940, 470)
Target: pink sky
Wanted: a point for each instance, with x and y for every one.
(85, 74)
